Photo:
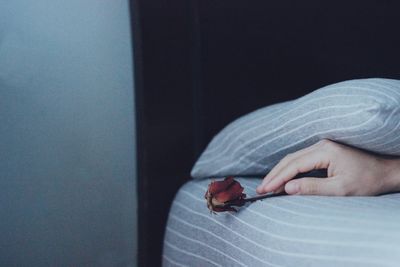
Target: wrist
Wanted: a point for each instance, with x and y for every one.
(392, 175)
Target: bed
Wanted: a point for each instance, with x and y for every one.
(283, 231)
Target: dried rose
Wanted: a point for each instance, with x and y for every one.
(223, 195)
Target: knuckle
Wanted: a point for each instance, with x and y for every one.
(289, 157)
(297, 164)
(323, 142)
(328, 145)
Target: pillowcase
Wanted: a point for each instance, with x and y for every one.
(363, 113)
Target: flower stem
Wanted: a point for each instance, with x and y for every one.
(268, 195)
(252, 199)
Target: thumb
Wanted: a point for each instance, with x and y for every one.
(312, 186)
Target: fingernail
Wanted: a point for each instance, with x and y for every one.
(259, 189)
(292, 188)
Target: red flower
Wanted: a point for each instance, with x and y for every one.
(223, 195)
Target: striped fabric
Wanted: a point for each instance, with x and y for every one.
(283, 231)
(363, 113)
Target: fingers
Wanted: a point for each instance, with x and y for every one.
(282, 164)
(280, 190)
(293, 165)
(314, 186)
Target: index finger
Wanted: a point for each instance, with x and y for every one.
(313, 160)
(282, 164)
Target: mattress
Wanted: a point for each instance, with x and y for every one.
(283, 230)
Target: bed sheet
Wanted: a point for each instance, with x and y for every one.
(283, 231)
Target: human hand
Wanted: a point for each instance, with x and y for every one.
(351, 172)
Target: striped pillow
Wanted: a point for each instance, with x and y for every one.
(363, 113)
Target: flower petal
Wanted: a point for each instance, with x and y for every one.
(234, 191)
(219, 186)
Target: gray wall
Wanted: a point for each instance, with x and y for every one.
(67, 151)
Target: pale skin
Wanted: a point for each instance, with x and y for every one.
(351, 172)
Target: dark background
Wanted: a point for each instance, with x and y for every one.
(202, 63)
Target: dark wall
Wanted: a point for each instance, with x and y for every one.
(162, 32)
(260, 52)
(205, 62)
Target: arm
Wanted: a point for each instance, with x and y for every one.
(351, 172)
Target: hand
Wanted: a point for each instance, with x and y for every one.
(351, 172)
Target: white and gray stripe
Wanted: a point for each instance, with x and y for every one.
(363, 113)
(283, 231)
